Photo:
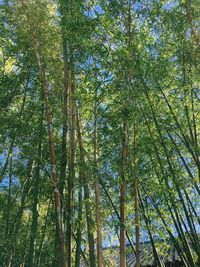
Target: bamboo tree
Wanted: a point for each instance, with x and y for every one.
(61, 243)
(123, 198)
(9, 200)
(97, 191)
(90, 223)
(136, 192)
(36, 188)
(79, 227)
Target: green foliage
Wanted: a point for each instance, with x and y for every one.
(147, 76)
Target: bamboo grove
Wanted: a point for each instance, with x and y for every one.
(99, 135)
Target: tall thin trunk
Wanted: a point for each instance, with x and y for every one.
(44, 227)
(84, 259)
(63, 160)
(79, 230)
(63, 163)
(26, 241)
(71, 176)
(61, 242)
(97, 192)
(9, 199)
(34, 225)
(124, 145)
(137, 227)
(90, 223)
(68, 125)
(123, 198)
